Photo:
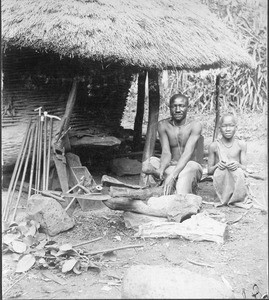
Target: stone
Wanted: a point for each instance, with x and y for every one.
(49, 213)
(161, 282)
(178, 207)
(125, 166)
(134, 220)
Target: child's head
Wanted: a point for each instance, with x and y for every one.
(228, 126)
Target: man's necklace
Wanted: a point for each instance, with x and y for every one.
(226, 145)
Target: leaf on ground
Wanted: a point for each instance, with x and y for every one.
(23, 229)
(76, 268)
(15, 256)
(106, 288)
(35, 223)
(65, 247)
(40, 253)
(25, 263)
(41, 245)
(29, 240)
(18, 246)
(31, 231)
(9, 238)
(40, 236)
(69, 265)
(43, 262)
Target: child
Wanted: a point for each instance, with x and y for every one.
(227, 163)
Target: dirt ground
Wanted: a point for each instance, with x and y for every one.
(242, 259)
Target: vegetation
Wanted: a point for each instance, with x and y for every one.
(241, 88)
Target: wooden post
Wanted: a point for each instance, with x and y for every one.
(67, 115)
(217, 108)
(153, 114)
(139, 111)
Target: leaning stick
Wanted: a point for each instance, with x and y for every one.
(6, 213)
(39, 109)
(33, 160)
(199, 263)
(113, 249)
(16, 166)
(45, 150)
(39, 152)
(24, 172)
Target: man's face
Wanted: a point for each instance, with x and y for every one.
(228, 127)
(179, 108)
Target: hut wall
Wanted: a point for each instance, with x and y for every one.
(32, 80)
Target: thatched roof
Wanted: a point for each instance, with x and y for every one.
(160, 34)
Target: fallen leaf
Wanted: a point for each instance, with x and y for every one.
(117, 237)
(65, 247)
(69, 265)
(16, 256)
(25, 263)
(18, 246)
(29, 240)
(40, 253)
(9, 238)
(76, 268)
(40, 236)
(31, 231)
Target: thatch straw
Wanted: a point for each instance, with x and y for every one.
(160, 34)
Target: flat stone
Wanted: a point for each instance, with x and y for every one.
(49, 213)
(160, 282)
(178, 207)
(134, 220)
(126, 166)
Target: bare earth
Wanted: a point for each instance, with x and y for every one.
(242, 259)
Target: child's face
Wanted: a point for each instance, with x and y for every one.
(228, 127)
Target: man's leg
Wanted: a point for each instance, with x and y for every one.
(188, 178)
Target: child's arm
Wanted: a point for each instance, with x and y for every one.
(212, 166)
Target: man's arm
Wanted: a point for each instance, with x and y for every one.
(166, 152)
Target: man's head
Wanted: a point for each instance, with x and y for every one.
(178, 107)
(228, 125)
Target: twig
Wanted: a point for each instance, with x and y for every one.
(113, 249)
(14, 284)
(199, 264)
(238, 219)
(209, 203)
(91, 241)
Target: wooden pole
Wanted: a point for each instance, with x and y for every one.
(67, 115)
(217, 108)
(153, 115)
(139, 111)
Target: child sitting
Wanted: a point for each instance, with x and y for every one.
(227, 163)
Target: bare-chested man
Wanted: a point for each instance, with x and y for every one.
(178, 139)
(227, 163)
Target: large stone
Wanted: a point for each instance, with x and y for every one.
(49, 213)
(178, 207)
(134, 220)
(160, 282)
(126, 166)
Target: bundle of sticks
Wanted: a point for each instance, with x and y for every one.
(37, 144)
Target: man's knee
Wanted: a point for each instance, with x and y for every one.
(193, 166)
(148, 164)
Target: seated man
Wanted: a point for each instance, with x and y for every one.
(227, 163)
(178, 140)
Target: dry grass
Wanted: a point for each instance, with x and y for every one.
(158, 34)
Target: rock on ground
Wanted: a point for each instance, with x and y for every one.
(178, 207)
(49, 213)
(160, 282)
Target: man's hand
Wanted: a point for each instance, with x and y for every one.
(232, 165)
(221, 165)
(169, 184)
